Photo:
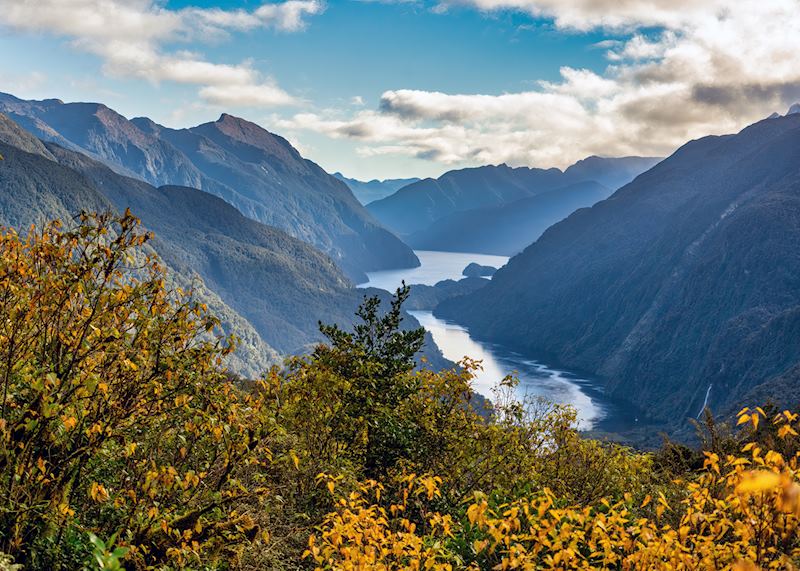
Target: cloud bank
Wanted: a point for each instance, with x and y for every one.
(683, 69)
(136, 38)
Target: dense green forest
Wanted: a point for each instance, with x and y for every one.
(126, 445)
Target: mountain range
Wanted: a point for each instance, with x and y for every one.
(507, 229)
(256, 171)
(370, 191)
(442, 213)
(270, 289)
(680, 290)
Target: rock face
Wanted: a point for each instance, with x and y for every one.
(373, 190)
(685, 279)
(256, 171)
(475, 270)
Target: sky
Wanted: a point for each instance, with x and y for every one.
(400, 88)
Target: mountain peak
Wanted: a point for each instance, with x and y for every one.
(146, 124)
(244, 128)
(227, 118)
(794, 109)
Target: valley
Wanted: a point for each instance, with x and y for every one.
(537, 380)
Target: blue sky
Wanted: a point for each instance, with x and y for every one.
(413, 88)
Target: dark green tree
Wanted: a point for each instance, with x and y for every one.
(377, 358)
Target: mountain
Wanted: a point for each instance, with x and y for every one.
(507, 229)
(681, 288)
(415, 208)
(609, 172)
(34, 190)
(256, 171)
(268, 288)
(375, 189)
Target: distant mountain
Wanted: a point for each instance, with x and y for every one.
(375, 189)
(507, 229)
(415, 208)
(684, 284)
(258, 172)
(610, 172)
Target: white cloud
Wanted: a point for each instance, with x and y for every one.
(131, 37)
(263, 95)
(711, 67)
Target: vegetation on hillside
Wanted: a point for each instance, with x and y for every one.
(125, 445)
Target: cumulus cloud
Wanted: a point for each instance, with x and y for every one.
(707, 67)
(131, 37)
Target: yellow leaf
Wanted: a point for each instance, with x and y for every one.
(69, 422)
(130, 449)
(758, 481)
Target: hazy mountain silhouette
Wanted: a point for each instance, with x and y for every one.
(507, 229)
(424, 212)
(268, 288)
(370, 191)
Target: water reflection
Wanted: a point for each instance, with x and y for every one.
(535, 378)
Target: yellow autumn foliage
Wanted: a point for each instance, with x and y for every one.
(741, 512)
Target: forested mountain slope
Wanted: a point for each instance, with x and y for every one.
(684, 283)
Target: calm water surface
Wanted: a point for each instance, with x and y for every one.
(536, 379)
(435, 267)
